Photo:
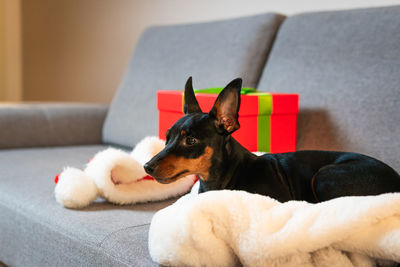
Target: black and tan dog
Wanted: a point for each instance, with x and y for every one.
(201, 143)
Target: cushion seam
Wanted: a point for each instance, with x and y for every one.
(120, 230)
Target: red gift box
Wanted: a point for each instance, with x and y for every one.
(267, 120)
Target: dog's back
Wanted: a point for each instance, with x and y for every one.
(321, 175)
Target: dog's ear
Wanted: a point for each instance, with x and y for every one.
(226, 108)
(191, 105)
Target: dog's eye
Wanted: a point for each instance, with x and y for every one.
(190, 140)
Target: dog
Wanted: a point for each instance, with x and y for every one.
(201, 143)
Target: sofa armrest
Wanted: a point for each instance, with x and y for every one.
(50, 124)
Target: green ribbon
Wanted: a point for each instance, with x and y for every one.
(265, 109)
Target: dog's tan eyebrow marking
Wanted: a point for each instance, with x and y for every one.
(183, 132)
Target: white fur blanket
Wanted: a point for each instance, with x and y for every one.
(228, 228)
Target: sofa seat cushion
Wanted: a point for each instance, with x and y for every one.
(346, 67)
(214, 53)
(37, 231)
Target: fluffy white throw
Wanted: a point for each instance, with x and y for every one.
(228, 228)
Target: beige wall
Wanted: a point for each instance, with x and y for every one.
(10, 51)
(77, 50)
(2, 51)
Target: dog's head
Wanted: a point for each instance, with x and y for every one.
(196, 141)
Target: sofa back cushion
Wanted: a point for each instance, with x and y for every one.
(346, 67)
(213, 53)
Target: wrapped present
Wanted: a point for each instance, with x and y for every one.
(267, 120)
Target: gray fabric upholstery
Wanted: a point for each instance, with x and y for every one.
(32, 125)
(346, 67)
(36, 231)
(213, 53)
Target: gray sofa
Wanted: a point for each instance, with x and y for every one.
(344, 64)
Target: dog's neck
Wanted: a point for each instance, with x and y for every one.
(227, 165)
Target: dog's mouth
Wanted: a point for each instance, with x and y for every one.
(171, 179)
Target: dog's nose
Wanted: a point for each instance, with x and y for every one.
(148, 168)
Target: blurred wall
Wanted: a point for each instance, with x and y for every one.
(77, 50)
(10, 51)
(2, 51)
